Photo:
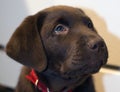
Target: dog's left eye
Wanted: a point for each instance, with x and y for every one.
(61, 29)
(90, 24)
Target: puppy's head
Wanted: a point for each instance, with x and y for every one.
(61, 39)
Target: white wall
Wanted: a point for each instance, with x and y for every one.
(108, 9)
(12, 12)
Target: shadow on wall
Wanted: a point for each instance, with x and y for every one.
(113, 44)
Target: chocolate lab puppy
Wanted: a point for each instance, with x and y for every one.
(60, 49)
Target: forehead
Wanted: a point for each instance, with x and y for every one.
(64, 12)
(64, 9)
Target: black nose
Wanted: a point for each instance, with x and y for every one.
(96, 44)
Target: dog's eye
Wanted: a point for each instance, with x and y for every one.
(61, 29)
(90, 24)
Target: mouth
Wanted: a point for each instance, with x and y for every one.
(72, 76)
(77, 70)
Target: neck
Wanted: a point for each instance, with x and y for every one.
(59, 84)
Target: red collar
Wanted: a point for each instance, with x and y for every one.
(32, 77)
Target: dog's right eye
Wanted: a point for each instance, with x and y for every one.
(61, 29)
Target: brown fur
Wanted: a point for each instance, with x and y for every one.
(64, 59)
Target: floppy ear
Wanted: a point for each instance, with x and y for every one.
(25, 45)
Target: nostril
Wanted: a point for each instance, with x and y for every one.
(92, 46)
(96, 45)
(102, 45)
